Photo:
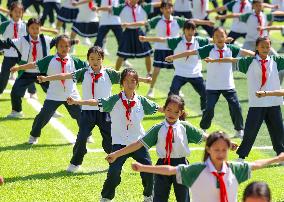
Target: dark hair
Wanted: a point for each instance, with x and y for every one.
(60, 37)
(189, 24)
(14, 5)
(178, 100)
(260, 39)
(219, 29)
(96, 49)
(212, 138)
(256, 1)
(127, 71)
(165, 4)
(33, 21)
(257, 189)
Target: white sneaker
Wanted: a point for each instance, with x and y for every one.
(34, 96)
(240, 160)
(150, 93)
(72, 168)
(181, 94)
(15, 114)
(33, 140)
(148, 199)
(239, 134)
(86, 41)
(127, 64)
(90, 139)
(57, 115)
(105, 200)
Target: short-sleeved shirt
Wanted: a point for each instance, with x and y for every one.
(119, 132)
(125, 13)
(187, 67)
(102, 88)
(252, 23)
(219, 75)
(199, 12)
(234, 7)
(86, 14)
(7, 30)
(251, 66)
(50, 66)
(182, 6)
(159, 22)
(68, 4)
(199, 178)
(280, 3)
(107, 18)
(183, 134)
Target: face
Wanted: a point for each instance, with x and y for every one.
(257, 7)
(129, 82)
(218, 151)
(172, 112)
(95, 61)
(34, 30)
(167, 11)
(263, 48)
(63, 47)
(219, 38)
(256, 199)
(133, 2)
(17, 13)
(189, 33)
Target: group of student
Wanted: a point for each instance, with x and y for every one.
(119, 117)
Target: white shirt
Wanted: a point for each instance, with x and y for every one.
(107, 18)
(55, 1)
(126, 15)
(68, 4)
(182, 6)
(86, 14)
(280, 3)
(197, 11)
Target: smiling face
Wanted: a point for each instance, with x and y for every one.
(17, 13)
(95, 61)
(130, 82)
(257, 7)
(219, 38)
(218, 151)
(172, 112)
(63, 47)
(34, 30)
(263, 48)
(167, 11)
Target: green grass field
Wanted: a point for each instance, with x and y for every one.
(37, 173)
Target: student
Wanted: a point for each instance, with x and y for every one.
(257, 192)
(171, 138)
(29, 48)
(49, 6)
(97, 82)
(219, 79)
(262, 72)
(214, 179)
(57, 91)
(127, 110)
(183, 8)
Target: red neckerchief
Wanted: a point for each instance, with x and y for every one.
(259, 20)
(91, 5)
(95, 78)
(188, 44)
(63, 63)
(133, 9)
(242, 6)
(127, 106)
(223, 190)
(221, 53)
(15, 30)
(263, 72)
(168, 30)
(169, 145)
(34, 51)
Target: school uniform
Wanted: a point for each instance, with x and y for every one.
(58, 91)
(200, 175)
(35, 3)
(87, 22)
(126, 128)
(183, 8)
(10, 29)
(67, 13)
(94, 86)
(188, 69)
(220, 81)
(238, 28)
(3, 18)
(155, 11)
(165, 28)
(49, 6)
(130, 46)
(182, 133)
(108, 22)
(262, 109)
(252, 22)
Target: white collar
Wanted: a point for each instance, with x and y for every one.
(260, 14)
(19, 22)
(212, 168)
(67, 56)
(34, 40)
(174, 125)
(171, 18)
(224, 48)
(90, 69)
(258, 58)
(185, 41)
(135, 98)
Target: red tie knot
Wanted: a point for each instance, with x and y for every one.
(34, 42)
(62, 60)
(263, 61)
(221, 53)
(188, 45)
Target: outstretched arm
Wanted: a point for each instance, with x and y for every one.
(63, 76)
(203, 22)
(215, 10)
(152, 39)
(221, 60)
(270, 93)
(245, 52)
(52, 31)
(133, 24)
(161, 170)
(231, 15)
(4, 10)
(91, 102)
(271, 28)
(265, 162)
(181, 55)
(31, 65)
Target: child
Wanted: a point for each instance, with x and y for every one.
(57, 91)
(166, 26)
(219, 79)
(96, 83)
(215, 179)
(262, 72)
(87, 22)
(30, 48)
(183, 8)
(127, 110)
(257, 192)
(171, 138)
(49, 6)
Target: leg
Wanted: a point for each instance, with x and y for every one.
(148, 64)
(154, 76)
(32, 88)
(208, 114)
(254, 120)
(74, 111)
(113, 175)
(119, 62)
(47, 8)
(45, 114)
(102, 32)
(181, 191)
(5, 72)
(117, 30)
(87, 124)
(199, 86)
(235, 108)
(274, 124)
(104, 124)
(177, 83)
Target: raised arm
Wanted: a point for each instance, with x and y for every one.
(152, 39)
(270, 93)
(265, 162)
(162, 170)
(91, 102)
(31, 65)
(181, 55)
(63, 76)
